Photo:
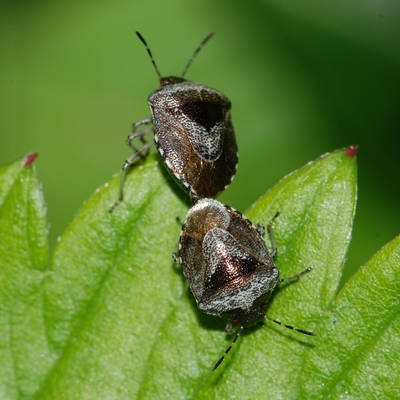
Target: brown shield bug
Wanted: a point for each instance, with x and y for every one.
(193, 133)
(229, 269)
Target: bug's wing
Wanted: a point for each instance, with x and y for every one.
(205, 124)
(233, 279)
(227, 262)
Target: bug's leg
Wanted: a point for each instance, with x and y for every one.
(260, 228)
(295, 277)
(179, 221)
(271, 236)
(193, 198)
(292, 279)
(142, 152)
(175, 255)
(136, 135)
(127, 164)
(139, 135)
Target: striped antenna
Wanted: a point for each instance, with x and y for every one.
(205, 40)
(149, 51)
(219, 362)
(292, 328)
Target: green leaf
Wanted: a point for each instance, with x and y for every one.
(136, 331)
(23, 258)
(113, 283)
(357, 352)
(113, 318)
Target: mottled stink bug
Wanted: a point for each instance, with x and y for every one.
(228, 266)
(193, 134)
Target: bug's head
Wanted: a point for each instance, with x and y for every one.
(170, 80)
(239, 318)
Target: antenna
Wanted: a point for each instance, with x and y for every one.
(219, 362)
(149, 51)
(292, 328)
(205, 40)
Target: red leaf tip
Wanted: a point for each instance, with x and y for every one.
(29, 159)
(352, 151)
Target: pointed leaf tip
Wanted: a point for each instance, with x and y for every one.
(29, 159)
(352, 151)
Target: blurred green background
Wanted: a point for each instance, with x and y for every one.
(304, 78)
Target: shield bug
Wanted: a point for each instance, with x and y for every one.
(193, 133)
(229, 269)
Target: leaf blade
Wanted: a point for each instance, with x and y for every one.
(112, 284)
(360, 350)
(23, 259)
